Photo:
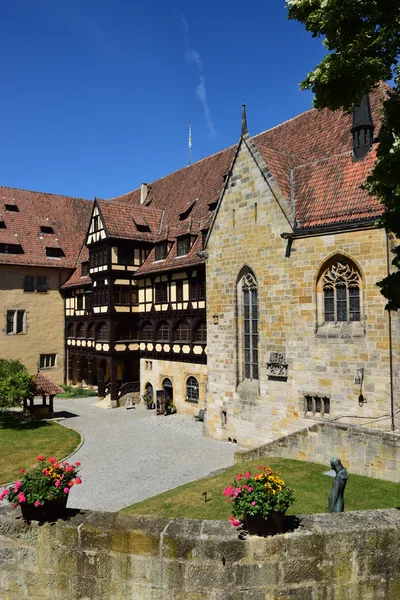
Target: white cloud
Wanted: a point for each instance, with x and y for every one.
(192, 57)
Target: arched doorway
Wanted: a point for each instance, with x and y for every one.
(148, 390)
(168, 390)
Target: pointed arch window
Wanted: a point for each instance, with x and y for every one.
(250, 325)
(163, 331)
(341, 286)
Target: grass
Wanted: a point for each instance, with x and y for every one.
(76, 392)
(311, 492)
(21, 442)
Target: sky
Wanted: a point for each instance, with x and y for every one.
(96, 96)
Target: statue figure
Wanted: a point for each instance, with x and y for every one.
(336, 497)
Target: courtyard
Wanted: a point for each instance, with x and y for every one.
(129, 455)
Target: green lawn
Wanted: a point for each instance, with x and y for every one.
(21, 442)
(311, 492)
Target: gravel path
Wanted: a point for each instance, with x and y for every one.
(130, 455)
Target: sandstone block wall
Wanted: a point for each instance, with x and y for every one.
(44, 318)
(105, 556)
(363, 451)
(322, 361)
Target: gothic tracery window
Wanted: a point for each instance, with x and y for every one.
(341, 286)
(250, 326)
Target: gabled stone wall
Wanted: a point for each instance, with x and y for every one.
(322, 361)
(106, 556)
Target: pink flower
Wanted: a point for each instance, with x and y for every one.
(78, 480)
(40, 458)
(66, 490)
(228, 492)
(17, 486)
(3, 494)
(69, 469)
(15, 505)
(45, 471)
(52, 459)
(247, 474)
(22, 470)
(239, 476)
(57, 483)
(234, 521)
(78, 464)
(250, 489)
(237, 492)
(253, 503)
(37, 503)
(21, 497)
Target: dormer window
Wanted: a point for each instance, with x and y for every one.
(2, 224)
(212, 205)
(141, 224)
(11, 205)
(187, 210)
(46, 229)
(161, 251)
(85, 268)
(54, 252)
(183, 245)
(11, 249)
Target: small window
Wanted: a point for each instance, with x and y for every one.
(85, 268)
(183, 245)
(47, 361)
(96, 223)
(90, 333)
(163, 332)
(134, 296)
(11, 249)
(161, 292)
(29, 283)
(316, 406)
(80, 332)
(46, 229)
(42, 284)
(179, 290)
(2, 224)
(79, 302)
(125, 257)
(12, 207)
(126, 333)
(147, 332)
(161, 251)
(192, 390)
(102, 332)
(197, 290)
(54, 252)
(15, 322)
(122, 296)
(182, 332)
(201, 332)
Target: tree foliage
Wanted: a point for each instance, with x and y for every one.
(15, 383)
(363, 42)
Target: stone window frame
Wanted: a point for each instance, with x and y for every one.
(317, 406)
(14, 314)
(247, 282)
(339, 328)
(48, 361)
(191, 395)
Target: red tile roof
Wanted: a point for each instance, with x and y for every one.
(42, 385)
(69, 218)
(309, 157)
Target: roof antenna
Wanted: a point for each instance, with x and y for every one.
(190, 143)
(244, 120)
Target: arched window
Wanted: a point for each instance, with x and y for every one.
(126, 332)
(200, 334)
(147, 332)
(148, 390)
(248, 325)
(102, 332)
(182, 332)
(192, 390)
(80, 332)
(341, 287)
(90, 333)
(163, 331)
(70, 330)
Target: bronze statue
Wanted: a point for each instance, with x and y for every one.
(336, 497)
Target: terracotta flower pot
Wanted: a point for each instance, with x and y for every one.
(50, 510)
(258, 525)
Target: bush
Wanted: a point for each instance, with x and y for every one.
(15, 383)
(76, 392)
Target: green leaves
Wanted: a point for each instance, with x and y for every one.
(363, 37)
(15, 383)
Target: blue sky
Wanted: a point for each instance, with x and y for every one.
(96, 95)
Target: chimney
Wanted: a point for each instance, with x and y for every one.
(363, 128)
(144, 190)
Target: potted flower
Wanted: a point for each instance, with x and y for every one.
(261, 499)
(148, 400)
(170, 408)
(42, 492)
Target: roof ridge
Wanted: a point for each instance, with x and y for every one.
(6, 187)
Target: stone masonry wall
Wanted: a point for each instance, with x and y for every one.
(363, 451)
(96, 556)
(322, 359)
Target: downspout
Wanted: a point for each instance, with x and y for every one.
(390, 345)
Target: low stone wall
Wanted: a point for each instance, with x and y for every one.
(369, 452)
(111, 556)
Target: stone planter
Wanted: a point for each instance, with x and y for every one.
(50, 510)
(258, 525)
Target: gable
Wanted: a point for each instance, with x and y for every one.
(97, 230)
